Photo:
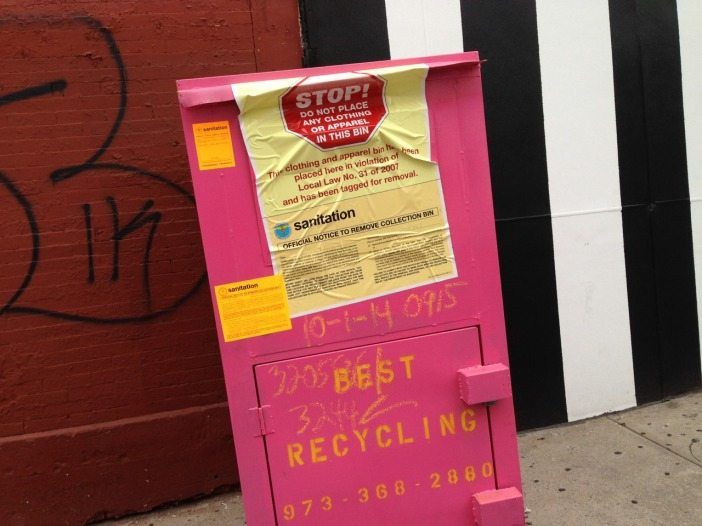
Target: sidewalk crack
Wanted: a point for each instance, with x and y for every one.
(622, 424)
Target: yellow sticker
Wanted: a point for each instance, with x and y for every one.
(252, 308)
(213, 143)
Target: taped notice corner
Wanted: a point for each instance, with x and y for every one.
(213, 145)
(253, 308)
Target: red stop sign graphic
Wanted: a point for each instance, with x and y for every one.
(335, 113)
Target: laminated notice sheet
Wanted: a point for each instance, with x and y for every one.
(350, 199)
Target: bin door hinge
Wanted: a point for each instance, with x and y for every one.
(263, 420)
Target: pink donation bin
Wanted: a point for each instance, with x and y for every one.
(347, 222)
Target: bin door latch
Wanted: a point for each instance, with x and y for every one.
(499, 507)
(484, 384)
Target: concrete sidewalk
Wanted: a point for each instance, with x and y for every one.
(641, 467)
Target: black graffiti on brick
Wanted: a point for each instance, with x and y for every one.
(103, 219)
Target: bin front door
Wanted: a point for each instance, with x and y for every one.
(377, 434)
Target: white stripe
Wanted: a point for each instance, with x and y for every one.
(583, 174)
(690, 26)
(419, 28)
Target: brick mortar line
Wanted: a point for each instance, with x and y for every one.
(112, 424)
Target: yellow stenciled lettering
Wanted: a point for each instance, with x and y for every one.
(363, 376)
(487, 470)
(340, 451)
(361, 438)
(316, 451)
(342, 380)
(425, 424)
(447, 423)
(379, 431)
(399, 487)
(468, 423)
(383, 371)
(401, 438)
(295, 454)
(407, 360)
(289, 512)
(363, 495)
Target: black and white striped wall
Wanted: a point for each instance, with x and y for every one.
(594, 117)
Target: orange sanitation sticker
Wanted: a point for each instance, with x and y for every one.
(213, 144)
(252, 308)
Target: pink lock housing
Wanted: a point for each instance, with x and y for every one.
(437, 443)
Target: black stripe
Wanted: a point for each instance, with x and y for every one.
(672, 224)
(675, 284)
(643, 301)
(655, 197)
(657, 24)
(339, 32)
(531, 315)
(505, 34)
(636, 197)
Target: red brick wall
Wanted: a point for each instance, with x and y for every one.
(111, 393)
